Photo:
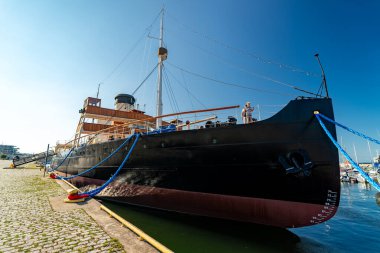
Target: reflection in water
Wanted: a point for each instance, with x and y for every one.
(353, 229)
(377, 196)
(355, 226)
(185, 233)
(307, 245)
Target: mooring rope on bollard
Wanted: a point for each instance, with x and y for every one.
(55, 176)
(361, 171)
(75, 196)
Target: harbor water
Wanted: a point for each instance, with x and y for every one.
(354, 228)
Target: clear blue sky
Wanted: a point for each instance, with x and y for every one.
(53, 54)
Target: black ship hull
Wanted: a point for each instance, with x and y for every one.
(283, 171)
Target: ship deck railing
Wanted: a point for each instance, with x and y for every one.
(121, 131)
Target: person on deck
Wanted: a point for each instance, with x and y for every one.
(246, 113)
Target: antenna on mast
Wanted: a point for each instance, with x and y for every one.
(324, 83)
(97, 93)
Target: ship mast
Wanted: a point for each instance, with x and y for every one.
(162, 55)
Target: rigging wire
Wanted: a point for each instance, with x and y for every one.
(273, 105)
(146, 78)
(124, 58)
(191, 94)
(171, 89)
(246, 52)
(146, 67)
(145, 62)
(113, 114)
(143, 58)
(227, 83)
(171, 92)
(170, 101)
(320, 89)
(248, 71)
(225, 61)
(147, 30)
(187, 89)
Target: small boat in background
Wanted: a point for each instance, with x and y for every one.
(360, 178)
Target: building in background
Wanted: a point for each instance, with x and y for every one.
(8, 151)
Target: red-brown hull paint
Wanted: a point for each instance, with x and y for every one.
(270, 212)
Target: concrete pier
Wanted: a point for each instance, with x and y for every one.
(33, 218)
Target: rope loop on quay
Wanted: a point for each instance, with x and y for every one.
(354, 164)
(75, 196)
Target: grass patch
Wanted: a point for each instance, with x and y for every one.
(115, 243)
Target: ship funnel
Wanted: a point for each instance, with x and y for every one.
(124, 102)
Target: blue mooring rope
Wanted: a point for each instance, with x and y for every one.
(101, 162)
(59, 165)
(365, 175)
(350, 130)
(94, 192)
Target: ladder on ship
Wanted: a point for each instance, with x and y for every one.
(32, 158)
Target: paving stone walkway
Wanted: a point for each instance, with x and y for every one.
(29, 224)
